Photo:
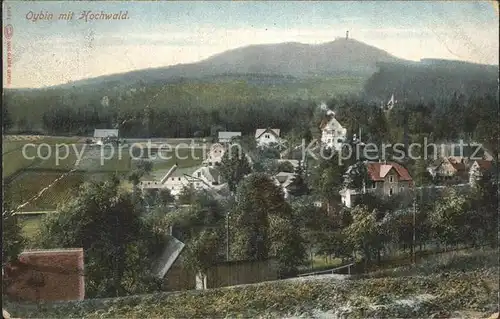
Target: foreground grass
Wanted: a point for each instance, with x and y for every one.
(423, 294)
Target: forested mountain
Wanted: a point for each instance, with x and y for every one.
(270, 62)
(431, 79)
(276, 85)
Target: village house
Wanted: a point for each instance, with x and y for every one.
(102, 136)
(46, 275)
(283, 180)
(228, 137)
(267, 136)
(477, 170)
(333, 134)
(175, 180)
(450, 169)
(214, 156)
(385, 179)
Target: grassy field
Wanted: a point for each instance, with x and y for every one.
(28, 184)
(36, 174)
(30, 225)
(185, 159)
(54, 157)
(438, 287)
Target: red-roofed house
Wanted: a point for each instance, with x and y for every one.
(47, 275)
(386, 179)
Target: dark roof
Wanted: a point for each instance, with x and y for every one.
(172, 251)
(484, 165)
(325, 121)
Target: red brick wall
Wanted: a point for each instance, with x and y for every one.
(49, 275)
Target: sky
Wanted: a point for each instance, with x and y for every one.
(47, 52)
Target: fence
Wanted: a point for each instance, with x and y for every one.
(329, 271)
(222, 275)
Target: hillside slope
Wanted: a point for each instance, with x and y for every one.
(337, 58)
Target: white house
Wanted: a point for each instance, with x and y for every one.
(477, 170)
(283, 180)
(267, 136)
(333, 134)
(101, 135)
(390, 104)
(214, 156)
(175, 180)
(226, 137)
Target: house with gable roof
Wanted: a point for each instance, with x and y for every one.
(478, 168)
(450, 169)
(333, 134)
(204, 177)
(267, 136)
(385, 179)
(215, 154)
(283, 180)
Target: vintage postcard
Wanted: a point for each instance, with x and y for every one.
(323, 159)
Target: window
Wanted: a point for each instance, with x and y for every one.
(391, 179)
(267, 136)
(401, 189)
(199, 174)
(179, 179)
(374, 185)
(390, 191)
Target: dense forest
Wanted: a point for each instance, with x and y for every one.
(444, 100)
(450, 118)
(431, 79)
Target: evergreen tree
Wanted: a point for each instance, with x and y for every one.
(234, 166)
(298, 186)
(13, 241)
